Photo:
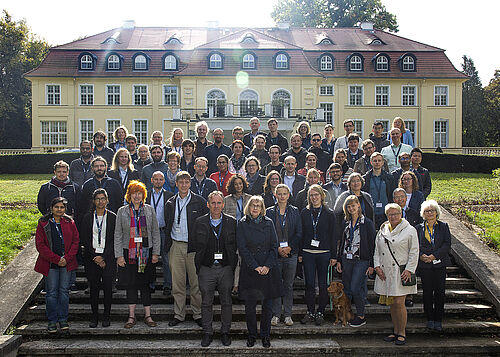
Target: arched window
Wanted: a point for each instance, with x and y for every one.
(281, 61)
(326, 63)
(382, 63)
(281, 101)
(140, 62)
(249, 39)
(249, 101)
(215, 61)
(86, 62)
(174, 41)
(355, 63)
(216, 103)
(325, 41)
(248, 61)
(113, 62)
(170, 62)
(408, 63)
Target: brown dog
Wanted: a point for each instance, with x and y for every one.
(341, 303)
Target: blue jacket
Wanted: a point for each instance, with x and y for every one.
(416, 200)
(441, 248)
(367, 235)
(294, 225)
(325, 232)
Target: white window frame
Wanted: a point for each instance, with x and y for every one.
(56, 95)
(327, 113)
(353, 64)
(215, 61)
(248, 61)
(447, 94)
(446, 133)
(110, 65)
(326, 90)
(140, 94)
(414, 132)
(141, 133)
(85, 133)
(290, 102)
(138, 64)
(215, 104)
(383, 96)
(409, 95)
(250, 106)
(86, 62)
(408, 64)
(86, 95)
(110, 129)
(356, 94)
(360, 123)
(114, 94)
(168, 64)
(168, 86)
(281, 61)
(382, 61)
(326, 63)
(54, 137)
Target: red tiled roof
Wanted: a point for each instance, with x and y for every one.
(301, 44)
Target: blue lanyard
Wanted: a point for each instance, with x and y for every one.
(200, 190)
(59, 232)
(179, 208)
(368, 164)
(352, 230)
(221, 180)
(137, 218)
(315, 222)
(239, 208)
(156, 202)
(431, 234)
(103, 183)
(99, 226)
(283, 222)
(217, 234)
(85, 170)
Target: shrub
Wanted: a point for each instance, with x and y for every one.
(33, 163)
(438, 162)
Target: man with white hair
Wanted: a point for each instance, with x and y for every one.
(254, 127)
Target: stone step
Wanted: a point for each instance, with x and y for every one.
(378, 325)
(164, 312)
(334, 346)
(119, 297)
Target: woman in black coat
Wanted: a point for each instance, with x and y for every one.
(434, 242)
(318, 251)
(259, 277)
(97, 237)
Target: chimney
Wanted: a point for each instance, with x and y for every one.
(366, 26)
(128, 24)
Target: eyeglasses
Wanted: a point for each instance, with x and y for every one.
(404, 158)
(315, 140)
(100, 199)
(430, 210)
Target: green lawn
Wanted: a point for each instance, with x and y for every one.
(21, 188)
(490, 223)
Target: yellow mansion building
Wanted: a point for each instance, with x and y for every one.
(158, 78)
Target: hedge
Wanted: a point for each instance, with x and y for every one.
(437, 162)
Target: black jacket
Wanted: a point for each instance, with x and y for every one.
(106, 153)
(258, 186)
(209, 187)
(325, 232)
(71, 191)
(300, 157)
(294, 223)
(412, 216)
(79, 172)
(367, 235)
(131, 175)
(379, 142)
(247, 138)
(386, 177)
(112, 187)
(441, 248)
(279, 140)
(297, 186)
(206, 246)
(424, 180)
(196, 207)
(324, 159)
(188, 167)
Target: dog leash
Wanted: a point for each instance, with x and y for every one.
(330, 279)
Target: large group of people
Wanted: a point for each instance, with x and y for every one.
(244, 220)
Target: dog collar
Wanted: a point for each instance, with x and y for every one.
(338, 297)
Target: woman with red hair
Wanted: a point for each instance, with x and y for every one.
(137, 247)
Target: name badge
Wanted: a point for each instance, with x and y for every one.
(177, 230)
(315, 243)
(436, 261)
(99, 250)
(218, 256)
(283, 244)
(349, 256)
(137, 239)
(378, 205)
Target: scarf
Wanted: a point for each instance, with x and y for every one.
(252, 179)
(255, 220)
(60, 184)
(136, 253)
(171, 177)
(237, 163)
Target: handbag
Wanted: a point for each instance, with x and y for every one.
(413, 278)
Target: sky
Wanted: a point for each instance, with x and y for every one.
(453, 25)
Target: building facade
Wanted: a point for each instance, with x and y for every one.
(162, 78)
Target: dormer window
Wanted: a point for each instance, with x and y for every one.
(248, 39)
(408, 63)
(381, 62)
(87, 62)
(355, 62)
(111, 41)
(326, 63)
(281, 61)
(174, 41)
(113, 62)
(170, 62)
(326, 41)
(140, 61)
(215, 61)
(248, 61)
(376, 42)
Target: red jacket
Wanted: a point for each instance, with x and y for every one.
(219, 178)
(43, 241)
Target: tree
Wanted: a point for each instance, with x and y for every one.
(492, 95)
(474, 119)
(334, 13)
(20, 51)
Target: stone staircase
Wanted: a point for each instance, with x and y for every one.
(471, 328)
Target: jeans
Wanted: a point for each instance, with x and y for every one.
(355, 281)
(287, 268)
(316, 263)
(167, 275)
(57, 284)
(265, 317)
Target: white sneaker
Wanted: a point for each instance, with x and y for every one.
(275, 320)
(288, 321)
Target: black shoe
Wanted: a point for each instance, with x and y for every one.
(250, 341)
(174, 322)
(199, 322)
(409, 303)
(266, 342)
(93, 322)
(206, 340)
(225, 339)
(105, 321)
(167, 291)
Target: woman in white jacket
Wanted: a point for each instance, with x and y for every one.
(398, 236)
